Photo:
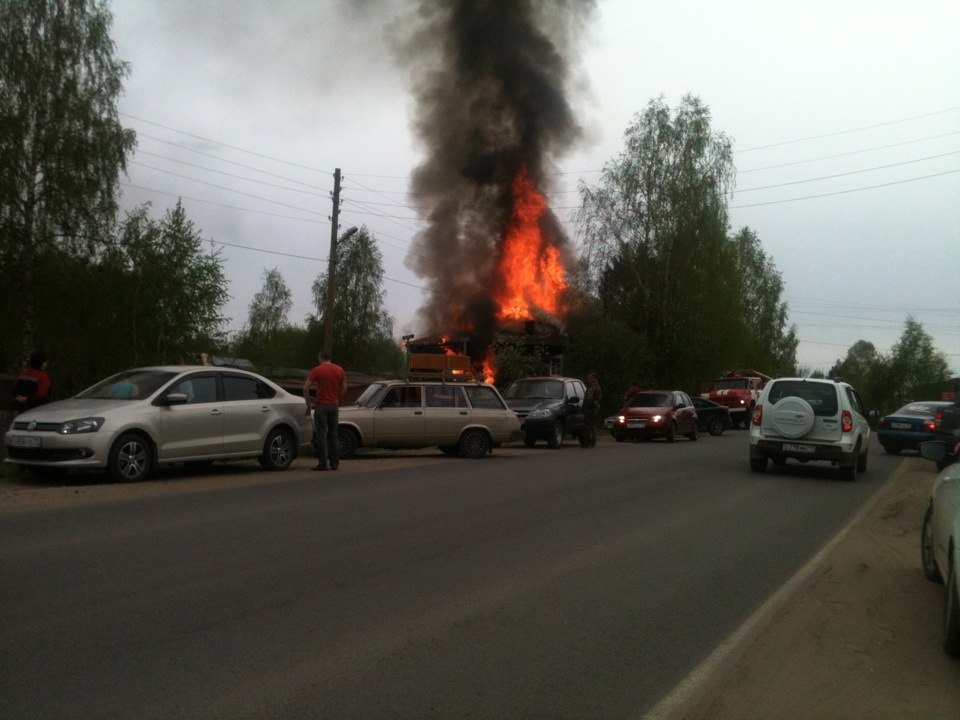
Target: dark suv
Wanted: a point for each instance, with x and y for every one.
(548, 407)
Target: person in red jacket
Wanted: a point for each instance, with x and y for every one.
(33, 384)
(331, 382)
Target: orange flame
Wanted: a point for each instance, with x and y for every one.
(488, 369)
(530, 268)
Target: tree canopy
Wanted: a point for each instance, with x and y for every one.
(62, 148)
(658, 255)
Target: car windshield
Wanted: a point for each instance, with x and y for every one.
(128, 385)
(370, 396)
(822, 396)
(535, 390)
(729, 384)
(650, 400)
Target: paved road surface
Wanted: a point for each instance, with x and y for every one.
(536, 583)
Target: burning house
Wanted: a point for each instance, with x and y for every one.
(493, 115)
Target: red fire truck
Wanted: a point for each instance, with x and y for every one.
(738, 390)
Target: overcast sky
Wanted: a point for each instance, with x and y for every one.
(844, 117)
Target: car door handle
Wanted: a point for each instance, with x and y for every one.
(216, 411)
(418, 412)
(265, 408)
(463, 412)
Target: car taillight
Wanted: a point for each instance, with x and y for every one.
(937, 418)
(846, 421)
(882, 422)
(757, 414)
(929, 425)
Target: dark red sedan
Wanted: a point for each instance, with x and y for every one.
(656, 413)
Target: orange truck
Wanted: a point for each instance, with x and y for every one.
(738, 391)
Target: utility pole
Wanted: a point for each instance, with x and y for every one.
(332, 264)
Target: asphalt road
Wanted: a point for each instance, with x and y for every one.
(535, 583)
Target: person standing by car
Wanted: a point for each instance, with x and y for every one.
(591, 410)
(33, 384)
(331, 382)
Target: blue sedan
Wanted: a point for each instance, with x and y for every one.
(909, 426)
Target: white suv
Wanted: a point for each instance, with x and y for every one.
(810, 419)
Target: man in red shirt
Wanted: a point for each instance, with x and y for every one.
(331, 382)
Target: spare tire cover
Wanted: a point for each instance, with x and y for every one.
(792, 417)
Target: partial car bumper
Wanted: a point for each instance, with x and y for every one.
(801, 450)
(53, 450)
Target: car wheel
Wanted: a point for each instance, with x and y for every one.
(779, 461)
(277, 450)
(348, 441)
(618, 437)
(529, 441)
(758, 464)
(891, 450)
(930, 569)
(862, 461)
(671, 433)
(715, 426)
(695, 435)
(555, 439)
(130, 459)
(474, 444)
(951, 614)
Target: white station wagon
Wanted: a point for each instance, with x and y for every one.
(465, 418)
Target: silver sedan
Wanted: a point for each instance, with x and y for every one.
(135, 420)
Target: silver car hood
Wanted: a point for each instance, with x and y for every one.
(75, 408)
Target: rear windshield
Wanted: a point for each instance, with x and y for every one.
(921, 409)
(822, 396)
(650, 400)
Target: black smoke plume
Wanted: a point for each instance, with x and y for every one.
(491, 79)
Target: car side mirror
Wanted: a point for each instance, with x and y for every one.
(175, 399)
(573, 400)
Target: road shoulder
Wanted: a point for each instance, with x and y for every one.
(854, 634)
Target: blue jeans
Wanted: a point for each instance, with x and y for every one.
(325, 440)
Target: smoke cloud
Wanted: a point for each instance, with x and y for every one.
(491, 79)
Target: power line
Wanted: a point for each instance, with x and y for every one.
(217, 142)
(846, 132)
(844, 192)
(852, 172)
(846, 154)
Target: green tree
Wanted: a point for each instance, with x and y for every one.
(268, 339)
(174, 291)
(865, 369)
(655, 228)
(913, 362)
(62, 148)
(362, 328)
(771, 345)
(269, 308)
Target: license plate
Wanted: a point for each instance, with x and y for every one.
(636, 423)
(900, 426)
(25, 442)
(790, 447)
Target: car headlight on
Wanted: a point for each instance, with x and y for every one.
(83, 425)
(620, 419)
(656, 418)
(541, 413)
